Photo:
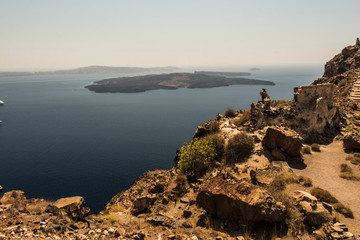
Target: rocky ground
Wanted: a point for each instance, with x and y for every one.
(269, 193)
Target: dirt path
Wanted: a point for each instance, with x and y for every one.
(323, 168)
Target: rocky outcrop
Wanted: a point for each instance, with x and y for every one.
(348, 59)
(351, 142)
(142, 204)
(316, 214)
(316, 116)
(239, 201)
(15, 198)
(284, 140)
(311, 113)
(73, 207)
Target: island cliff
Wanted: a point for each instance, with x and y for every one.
(169, 81)
(253, 176)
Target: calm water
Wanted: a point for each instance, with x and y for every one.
(58, 139)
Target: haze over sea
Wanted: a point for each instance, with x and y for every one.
(58, 139)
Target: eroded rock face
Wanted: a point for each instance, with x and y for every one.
(16, 198)
(284, 139)
(73, 207)
(348, 59)
(352, 142)
(315, 114)
(239, 201)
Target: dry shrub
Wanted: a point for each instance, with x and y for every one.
(239, 148)
(181, 179)
(230, 112)
(117, 208)
(214, 126)
(347, 173)
(218, 140)
(294, 218)
(353, 158)
(282, 179)
(306, 149)
(243, 118)
(339, 207)
(325, 196)
(279, 103)
(306, 181)
(315, 147)
(110, 218)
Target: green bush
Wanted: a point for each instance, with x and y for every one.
(230, 113)
(196, 156)
(239, 148)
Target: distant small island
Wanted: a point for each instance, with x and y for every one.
(95, 70)
(223, 74)
(255, 69)
(169, 81)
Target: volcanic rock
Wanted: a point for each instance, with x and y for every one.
(351, 142)
(239, 201)
(73, 207)
(285, 139)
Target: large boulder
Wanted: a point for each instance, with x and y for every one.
(239, 201)
(73, 207)
(16, 198)
(351, 142)
(283, 138)
(143, 203)
(315, 212)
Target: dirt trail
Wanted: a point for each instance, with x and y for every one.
(323, 168)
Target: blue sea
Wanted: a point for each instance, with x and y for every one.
(58, 139)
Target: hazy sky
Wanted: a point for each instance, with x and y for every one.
(44, 34)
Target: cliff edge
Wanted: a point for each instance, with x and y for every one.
(246, 174)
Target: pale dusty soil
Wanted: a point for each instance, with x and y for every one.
(323, 168)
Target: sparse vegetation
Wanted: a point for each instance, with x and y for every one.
(110, 218)
(242, 118)
(306, 149)
(339, 207)
(353, 158)
(279, 103)
(306, 181)
(325, 196)
(196, 157)
(346, 172)
(239, 148)
(294, 218)
(282, 179)
(181, 181)
(218, 141)
(315, 147)
(230, 113)
(214, 126)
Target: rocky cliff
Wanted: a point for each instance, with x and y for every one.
(247, 187)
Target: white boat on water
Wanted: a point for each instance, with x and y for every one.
(1, 102)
